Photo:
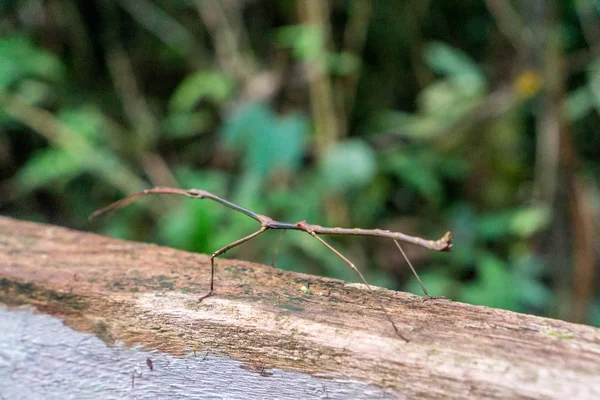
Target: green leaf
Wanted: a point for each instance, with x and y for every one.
(212, 85)
(46, 167)
(463, 219)
(417, 175)
(493, 225)
(532, 293)
(20, 59)
(343, 63)
(243, 124)
(527, 221)
(280, 146)
(447, 100)
(307, 41)
(464, 74)
(268, 141)
(34, 92)
(350, 164)
(407, 125)
(579, 103)
(494, 286)
(86, 122)
(522, 222)
(437, 284)
(185, 125)
(450, 61)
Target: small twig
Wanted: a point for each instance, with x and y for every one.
(443, 244)
(226, 29)
(166, 28)
(315, 13)
(509, 22)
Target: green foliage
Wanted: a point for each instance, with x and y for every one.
(201, 85)
(494, 285)
(306, 41)
(269, 142)
(349, 165)
(21, 60)
(46, 167)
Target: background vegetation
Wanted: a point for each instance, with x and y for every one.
(420, 116)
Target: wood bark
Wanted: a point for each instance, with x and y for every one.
(143, 294)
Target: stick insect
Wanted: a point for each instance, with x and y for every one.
(266, 223)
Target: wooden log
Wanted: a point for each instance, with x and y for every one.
(278, 324)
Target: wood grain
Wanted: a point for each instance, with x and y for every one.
(145, 294)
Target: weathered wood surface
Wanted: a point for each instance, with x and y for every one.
(141, 294)
(41, 359)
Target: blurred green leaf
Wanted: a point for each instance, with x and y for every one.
(306, 41)
(417, 175)
(241, 126)
(493, 225)
(532, 292)
(437, 284)
(34, 92)
(124, 224)
(578, 104)
(86, 122)
(184, 125)
(343, 63)
(20, 59)
(464, 219)
(350, 164)
(287, 142)
(268, 141)
(521, 222)
(527, 221)
(45, 167)
(450, 61)
(212, 85)
(407, 125)
(528, 275)
(494, 286)
(448, 101)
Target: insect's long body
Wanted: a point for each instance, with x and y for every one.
(443, 244)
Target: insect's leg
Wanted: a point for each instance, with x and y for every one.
(221, 251)
(387, 315)
(277, 248)
(415, 272)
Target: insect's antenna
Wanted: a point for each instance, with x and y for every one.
(380, 303)
(130, 199)
(412, 268)
(116, 205)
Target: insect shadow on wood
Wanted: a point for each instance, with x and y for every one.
(266, 223)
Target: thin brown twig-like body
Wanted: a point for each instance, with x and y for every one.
(443, 244)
